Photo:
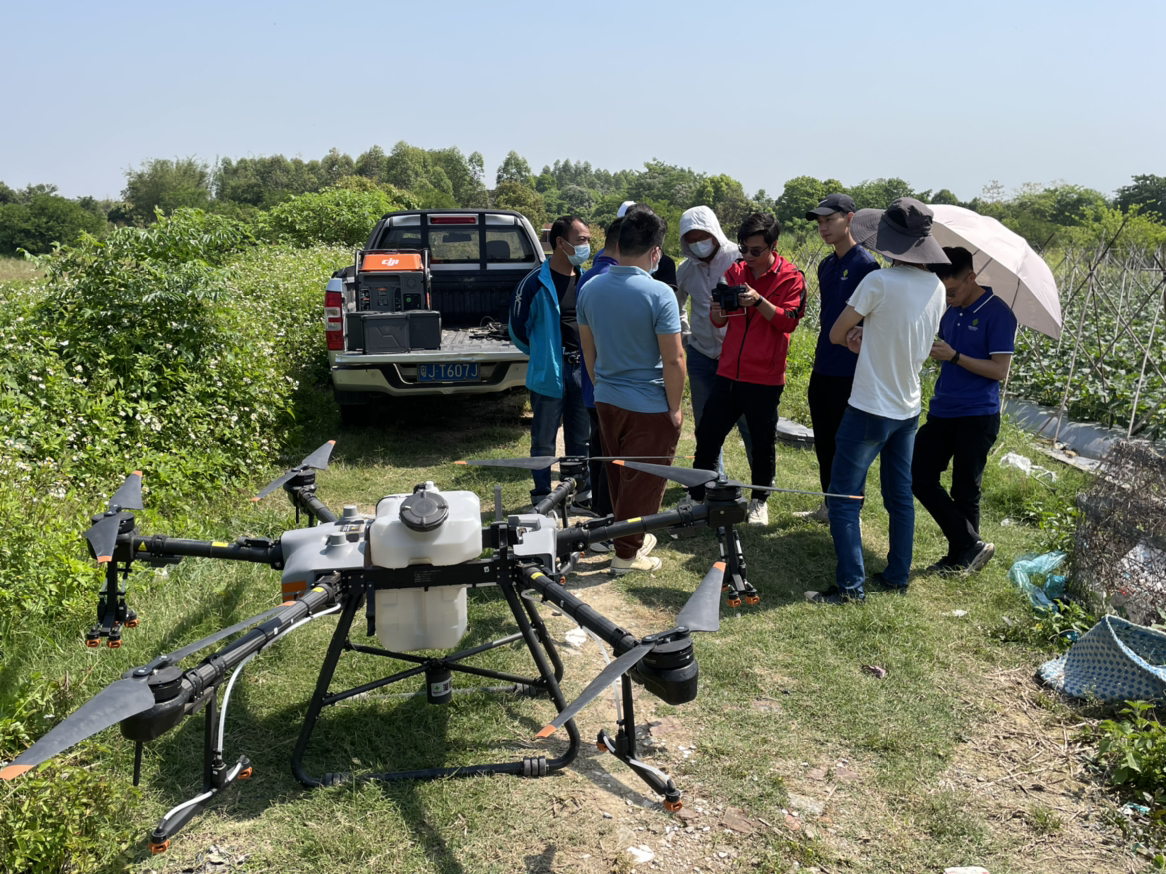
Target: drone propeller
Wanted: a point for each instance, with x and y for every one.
(542, 462)
(118, 701)
(700, 613)
(318, 460)
(102, 536)
(694, 476)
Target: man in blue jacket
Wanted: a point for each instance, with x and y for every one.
(544, 326)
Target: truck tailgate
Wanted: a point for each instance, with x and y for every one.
(461, 344)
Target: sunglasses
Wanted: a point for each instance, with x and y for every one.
(756, 251)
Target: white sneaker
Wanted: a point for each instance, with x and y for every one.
(621, 566)
(649, 544)
(758, 512)
(821, 514)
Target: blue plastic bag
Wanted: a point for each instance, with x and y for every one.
(1032, 574)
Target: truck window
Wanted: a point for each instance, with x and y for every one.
(508, 245)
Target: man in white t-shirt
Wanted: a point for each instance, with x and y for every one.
(900, 309)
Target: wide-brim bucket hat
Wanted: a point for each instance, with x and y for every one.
(901, 232)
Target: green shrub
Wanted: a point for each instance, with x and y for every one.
(63, 816)
(1134, 748)
(338, 216)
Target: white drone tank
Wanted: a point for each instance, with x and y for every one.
(427, 527)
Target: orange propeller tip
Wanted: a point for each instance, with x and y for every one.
(103, 559)
(137, 473)
(720, 565)
(618, 461)
(331, 442)
(13, 771)
(546, 732)
(459, 462)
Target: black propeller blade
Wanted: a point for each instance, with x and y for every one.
(129, 496)
(102, 537)
(606, 677)
(118, 701)
(702, 612)
(318, 460)
(693, 476)
(542, 462)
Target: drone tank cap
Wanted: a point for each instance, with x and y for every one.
(424, 511)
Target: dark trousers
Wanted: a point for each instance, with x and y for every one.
(964, 442)
(827, 396)
(600, 491)
(728, 402)
(633, 492)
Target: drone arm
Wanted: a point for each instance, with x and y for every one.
(577, 537)
(258, 551)
(305, 499)
(621, 641)
(561, 493)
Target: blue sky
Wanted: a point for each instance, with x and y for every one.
(941, 94)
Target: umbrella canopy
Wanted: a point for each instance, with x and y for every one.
(1004, 261)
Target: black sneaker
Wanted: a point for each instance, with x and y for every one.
(879, 583)
(834, 596)
(976, 556)
(946, 565)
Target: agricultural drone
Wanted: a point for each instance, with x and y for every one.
(409, 565)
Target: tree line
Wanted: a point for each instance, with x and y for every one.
(247, 188)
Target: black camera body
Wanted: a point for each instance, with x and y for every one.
(726, 295)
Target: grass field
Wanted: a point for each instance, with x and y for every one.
(794, 753)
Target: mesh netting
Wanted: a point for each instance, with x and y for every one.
(1121, 533)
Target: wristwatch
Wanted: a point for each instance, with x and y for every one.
(955, 359)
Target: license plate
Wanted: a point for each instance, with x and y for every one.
(447, 373)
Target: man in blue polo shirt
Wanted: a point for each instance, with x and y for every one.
(833, 376)
(977, 337)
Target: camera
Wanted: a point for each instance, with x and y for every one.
(726, 295)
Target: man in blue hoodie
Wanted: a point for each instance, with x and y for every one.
(544, 326)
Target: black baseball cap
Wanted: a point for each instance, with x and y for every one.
(833, 203)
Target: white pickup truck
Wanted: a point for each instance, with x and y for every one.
(423, 308)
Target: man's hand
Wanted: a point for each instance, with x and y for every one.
(941, 351)
(676, 417)
(748, 297)
(854, 339)
(717, 314)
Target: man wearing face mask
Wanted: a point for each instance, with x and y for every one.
(708, 255)
(543, 325)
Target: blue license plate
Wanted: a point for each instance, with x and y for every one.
(448, 373)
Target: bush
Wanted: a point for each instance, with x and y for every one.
(45, 220)
(337, 216)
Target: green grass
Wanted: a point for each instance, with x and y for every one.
(783, 689)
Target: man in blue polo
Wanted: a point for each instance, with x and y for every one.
(832, 378)
(976, 340)
(543, 324)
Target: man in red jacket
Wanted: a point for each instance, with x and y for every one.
(751, 373)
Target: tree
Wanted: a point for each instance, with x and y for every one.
(335, 166)
(521, 198)
(7, 195)
(800, 195)
(166, 185)
(879, 193)
(47, 219)
(944, 196)
(371, 164)
(465, 181)
(515, 168)
(1147, 192)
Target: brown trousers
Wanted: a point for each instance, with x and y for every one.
(633, 492)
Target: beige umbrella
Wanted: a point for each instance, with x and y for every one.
(1006, 262)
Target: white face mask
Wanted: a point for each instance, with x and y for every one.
(703, 249)
(581, 253)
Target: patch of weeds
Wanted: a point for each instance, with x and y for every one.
(1134, 747)
(1044, 820)
(948, 821)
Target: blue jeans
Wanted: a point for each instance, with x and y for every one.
(549, 412)
(861, 437)
(702, 373)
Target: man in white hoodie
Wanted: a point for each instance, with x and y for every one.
(708, 254)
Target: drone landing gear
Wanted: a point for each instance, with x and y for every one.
(736, 585)
(112, 612)
(532, 631)
(217, 776)
(623, 747)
